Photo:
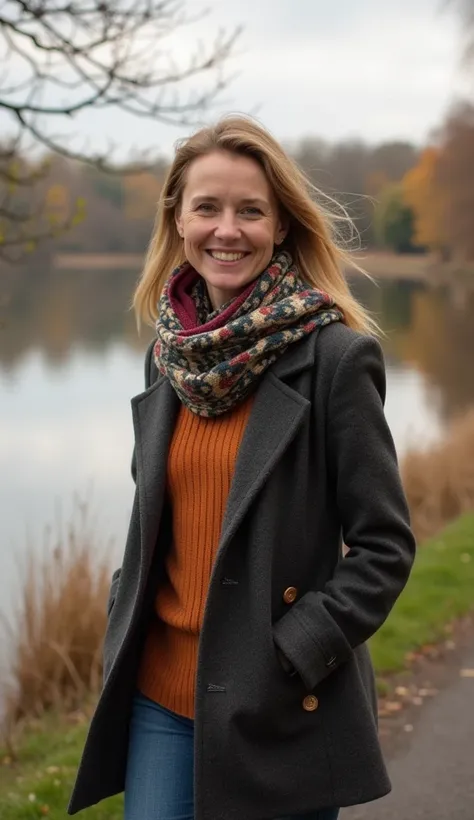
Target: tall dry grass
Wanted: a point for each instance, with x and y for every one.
(54, 637)
(439, 482)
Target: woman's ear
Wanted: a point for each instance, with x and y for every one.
(282, 228)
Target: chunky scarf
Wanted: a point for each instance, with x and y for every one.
(214, 359)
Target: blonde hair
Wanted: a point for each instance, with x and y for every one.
(311, 238)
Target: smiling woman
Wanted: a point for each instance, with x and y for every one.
(236, 678)
(230, 222)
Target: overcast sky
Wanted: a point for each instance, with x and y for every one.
(335, 68)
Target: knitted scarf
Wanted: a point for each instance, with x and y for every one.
(214, 359)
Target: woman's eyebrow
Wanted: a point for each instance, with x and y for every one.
(243, 201)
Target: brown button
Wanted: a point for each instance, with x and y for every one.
(289, 595)
(310, 703)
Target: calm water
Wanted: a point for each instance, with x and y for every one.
(70, 361)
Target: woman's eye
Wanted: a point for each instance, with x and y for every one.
(252, 211)
(207, 207)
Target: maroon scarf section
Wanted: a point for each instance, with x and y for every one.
(180, 296)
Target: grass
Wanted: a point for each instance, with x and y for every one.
(37, 782)
(439, 591)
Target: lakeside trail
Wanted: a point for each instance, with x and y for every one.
(430, 745)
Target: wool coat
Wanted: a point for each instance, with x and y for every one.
(316, 468)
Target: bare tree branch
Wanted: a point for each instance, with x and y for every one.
(60, 58)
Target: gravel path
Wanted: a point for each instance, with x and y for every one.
(433, 773)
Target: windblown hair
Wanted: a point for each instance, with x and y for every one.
(311, 238)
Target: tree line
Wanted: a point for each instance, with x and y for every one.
(62, 60)
(401, 197)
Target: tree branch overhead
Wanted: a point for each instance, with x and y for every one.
(60, 58)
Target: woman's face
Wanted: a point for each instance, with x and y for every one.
(229, 222)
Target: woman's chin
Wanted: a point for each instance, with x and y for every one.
(230, 278)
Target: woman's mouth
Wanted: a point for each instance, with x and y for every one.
(227, 256)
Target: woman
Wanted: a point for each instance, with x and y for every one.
(237, 681)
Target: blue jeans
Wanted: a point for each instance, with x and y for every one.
(159, 779)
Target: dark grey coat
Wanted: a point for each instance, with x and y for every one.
(316, 464)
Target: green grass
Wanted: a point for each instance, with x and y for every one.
(38, 783)
(439, 590)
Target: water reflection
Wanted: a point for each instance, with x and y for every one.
(429, 330)
(55, 311)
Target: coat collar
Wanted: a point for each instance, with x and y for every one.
(277, 412)
(297, 357)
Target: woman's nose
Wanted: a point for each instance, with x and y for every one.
(227, 227)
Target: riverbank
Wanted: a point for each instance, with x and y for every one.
(378, 264)
(36, 776)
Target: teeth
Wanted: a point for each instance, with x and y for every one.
(227, 257)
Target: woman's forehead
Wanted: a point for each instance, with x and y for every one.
(222, 172)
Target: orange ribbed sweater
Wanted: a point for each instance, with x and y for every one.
(201, 463)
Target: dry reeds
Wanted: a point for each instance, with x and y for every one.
(439, 482)
(58, 624)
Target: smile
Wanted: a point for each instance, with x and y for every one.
(223, 256)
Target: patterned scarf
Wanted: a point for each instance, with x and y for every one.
(213, 359)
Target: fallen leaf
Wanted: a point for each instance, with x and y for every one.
(401, 690)
(393, 706)
(467, 673)
(427, 693)
(408, 727)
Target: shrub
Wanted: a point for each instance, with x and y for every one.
(439, 482)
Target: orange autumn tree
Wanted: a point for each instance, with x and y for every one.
(423, 195)
(455, 177)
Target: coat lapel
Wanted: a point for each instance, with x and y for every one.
(277, 413)
(154, 416)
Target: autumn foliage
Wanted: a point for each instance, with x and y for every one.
(440, 189)
(422, 194)
(455, 179)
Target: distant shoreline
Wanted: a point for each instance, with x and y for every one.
(379, 264)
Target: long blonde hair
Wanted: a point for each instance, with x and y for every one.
(311, 238)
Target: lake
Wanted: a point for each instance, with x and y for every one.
(71, 360)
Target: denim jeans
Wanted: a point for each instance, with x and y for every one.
(159, 779)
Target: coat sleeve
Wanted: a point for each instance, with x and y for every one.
(322, 628)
